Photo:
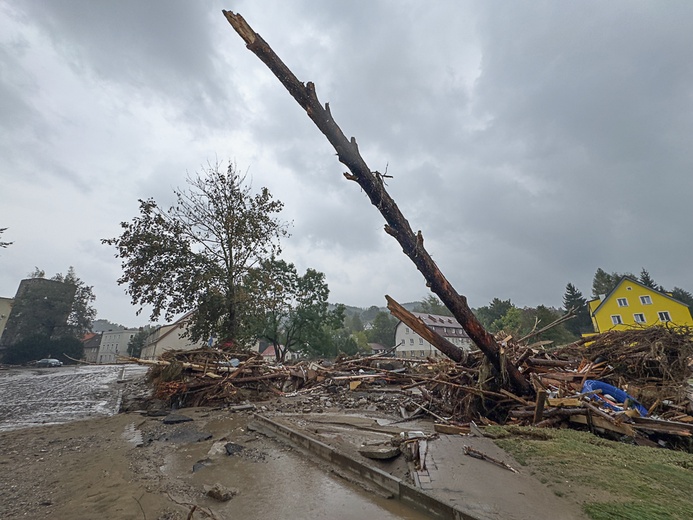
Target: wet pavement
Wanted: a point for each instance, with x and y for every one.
(39, 396)
(273, 480)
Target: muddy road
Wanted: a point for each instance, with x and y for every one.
(40, 396)
(130, 466)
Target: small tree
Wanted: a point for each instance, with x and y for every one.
(195, 255)
(493, 311)
(382, 329)
(647, 280)
(603, 282)
(83, 313)
(136, 343)
(290, 310)
(573, 299)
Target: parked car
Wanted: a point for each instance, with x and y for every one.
(49, 363)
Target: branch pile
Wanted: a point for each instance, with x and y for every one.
(650, 365)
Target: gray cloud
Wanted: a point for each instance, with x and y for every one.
(530, 143)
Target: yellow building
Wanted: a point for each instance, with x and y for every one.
(634, 305)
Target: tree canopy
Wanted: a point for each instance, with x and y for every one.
(195, 255)
(573, 300)
(291, 310)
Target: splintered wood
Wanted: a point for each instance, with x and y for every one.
(455, 395)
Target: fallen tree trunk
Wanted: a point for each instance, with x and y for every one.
(373, 185)
(417, 325)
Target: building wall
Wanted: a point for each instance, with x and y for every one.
(411, 345)
(168, 337)
(91, 348)
(114, 344)
(632, 304)
(5, 309)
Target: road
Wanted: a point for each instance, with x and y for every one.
(284, 484)
(38, 396)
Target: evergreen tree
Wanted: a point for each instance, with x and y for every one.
(603, 282)
(573, 299)
(647, 280)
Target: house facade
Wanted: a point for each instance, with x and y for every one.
(114, 344)
(169, 337)
(92, 342)
(411, 345)
(5, 308)
(633, 305)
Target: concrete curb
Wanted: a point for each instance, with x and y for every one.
(404, 492)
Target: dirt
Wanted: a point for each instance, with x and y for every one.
(132, 465)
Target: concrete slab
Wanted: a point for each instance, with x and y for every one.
(452, 484)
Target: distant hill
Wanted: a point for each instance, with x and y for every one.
(105, 326)
(366, 314)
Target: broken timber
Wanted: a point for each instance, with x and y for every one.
(417, 325)
(374, 187)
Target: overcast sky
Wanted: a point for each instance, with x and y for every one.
(530, 142)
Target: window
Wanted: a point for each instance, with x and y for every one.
(622, 302)
(664, 316)
(420, 341)
(646, 300)
(406, 331)
(639, 318)
(411, 341)
(616, 319)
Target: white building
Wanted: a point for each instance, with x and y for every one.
(411, 345)
(169, 337)
(114, 344)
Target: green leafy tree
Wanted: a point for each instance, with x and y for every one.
(83, 312)
(41, 346)
(369, 314)
(136, 343)
(573, 299)
(195, 255)
(289, 310)
(353, 323)
(495, 310)
(382, 329)
(432, 305)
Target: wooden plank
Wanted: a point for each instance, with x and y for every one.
(569, 402)
(539, 409)
(451, 429)
(600, 422)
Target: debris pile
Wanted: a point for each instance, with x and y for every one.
(631, 383)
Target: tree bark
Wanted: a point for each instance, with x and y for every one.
(373, 185)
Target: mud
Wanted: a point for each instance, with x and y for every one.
(131, 466)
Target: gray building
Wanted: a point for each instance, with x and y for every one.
(411, 345)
